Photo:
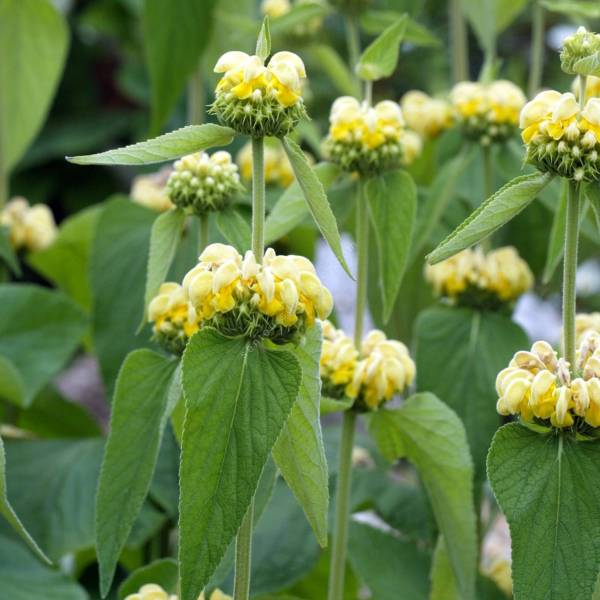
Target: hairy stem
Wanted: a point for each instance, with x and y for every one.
(203, 237)
(243, 556)
(258, 198)
(537, 49)
(488, 184)
(582, 90)
(362, 252)
(570, 272)
(458, 36)
(342, 509)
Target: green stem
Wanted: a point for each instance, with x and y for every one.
(368, 93)
(258, 198)
(243, 556)
(488, 184)
(342, 509)
(582, 90)
(204, 226)
(458, 35)
(353, 42)
(362, 253)
(570, 272)
(196, 98)
(537, 49)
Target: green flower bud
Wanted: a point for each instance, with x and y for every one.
(581, 44)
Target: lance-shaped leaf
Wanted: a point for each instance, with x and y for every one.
(335, 68)
(556, 240)
(392, 202)
(375, 21)
(433, 438)
(139, 413)
(497, 210)
(291, 208)
(263, 43)
(169, 146)
(164, 239)
(7, 511)
(590, 65)
(592, 192)
(234, 228)
(299, 451)
(548, 486)
(238, 397)
(587, 9)
(380, 58)
(316, 199)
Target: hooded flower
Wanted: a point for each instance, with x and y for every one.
(150, 190)
(426, 115)
(30, 227)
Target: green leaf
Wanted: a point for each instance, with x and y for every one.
(7, 253)
(263, 43)
(573, 8)
(433, 438)
(7, 511)
(139, 415)
(384, 431)
(443, 582)
(22, 577)
(299, 14)
(66, 261)
(459, 353)
(441, 192)
(118, 277)
(548, 487)
(392, 206)
(497, 210)
(315, 197)
(590, 65)
(299, 452)
(380, 58)
(33, 47)
(169, 146)
(163, 572)
(375, 21)
(164, 239)
(592, 192)
(335, 68)
(291, 208)
(175, 36)
(332, 405)
(391, 567)
(556, 240)
(234, 228)
(238, 397)
(39, 331)
(12, 387)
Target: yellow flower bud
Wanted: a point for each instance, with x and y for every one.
(149, 191)
(275, 8)
(425, 115)
(30, 227)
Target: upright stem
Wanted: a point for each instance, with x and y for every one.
(362, 253)
(196, 99)
(582, 90)
(243, 556)
(342, 509)
(488, 172)
(353, 41)
(203, 241)
(537, 49)
(258, 198)
(458, 36)
(570, 272)
(369, 93)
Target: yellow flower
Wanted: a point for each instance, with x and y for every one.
(474, 278)
(278, 170)
(149, 190)
(240, 296)
(412, 146)
(500, 571)
(586, 322)
(151, 591)
(592, 87)
(275, 8)
(426, 115)
(30, 227)
(338, 356)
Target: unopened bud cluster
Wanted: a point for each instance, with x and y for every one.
(279, 8)
(201, 183)
(152, 591)
(381, 369)
(487, 113)
(560, 137)
(259, 100)
(538, 386)
(426, 115)
(150, 190)
(365, 139)
(278, 170)
(585, 323)
(30, 227)
(237, 296)
(582, 44)
(473, 278)
(173, 318)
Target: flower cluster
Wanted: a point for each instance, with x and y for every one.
(149, 190)
(426, 115)
(278, 170)
(487, 113)
(473, 278)
(152, 591)
(412, 146)
(582, 44)
(174, 320)
(259, 100)
(586, 322)
(592, 87)
(275, 299)
(539, 386)
(372, 376)
(560, 137)
(279, 8)
(364, 138)
(30, 227)
(201, 183)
